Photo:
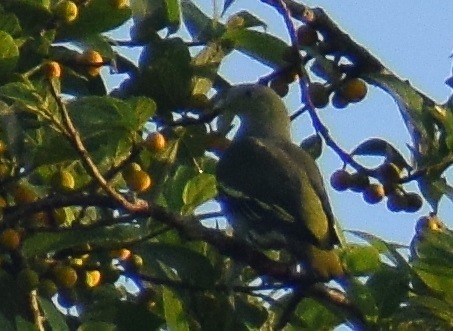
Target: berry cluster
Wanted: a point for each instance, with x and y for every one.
(388, 185)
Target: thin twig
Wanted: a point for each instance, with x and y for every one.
(88, 162)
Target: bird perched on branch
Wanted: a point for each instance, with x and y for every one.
(270, 189)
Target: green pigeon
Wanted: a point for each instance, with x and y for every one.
(270, 189)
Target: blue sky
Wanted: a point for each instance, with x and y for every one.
(412, 38)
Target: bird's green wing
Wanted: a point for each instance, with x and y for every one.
(267, 184)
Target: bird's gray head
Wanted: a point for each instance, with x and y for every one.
(261, 111)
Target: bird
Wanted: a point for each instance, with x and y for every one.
(270, 189)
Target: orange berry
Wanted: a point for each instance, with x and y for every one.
(354, 90)
(3, 147)
(121, 254)
(52, 69)
(10, 239)
(138, 181)
(155, 142)
(93, 61)
(92, 278)
(24, 194)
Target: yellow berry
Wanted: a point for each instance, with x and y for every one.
(318, 95)
(338, 101)
(92, 278)
(139, 181)
(396, 201)
(155, 142)
(52, 69)
(63, 181)
(65, 276)
(10, 239)
(354, 90)
(66, 11)
(93, 62)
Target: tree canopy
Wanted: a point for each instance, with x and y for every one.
(100, 191)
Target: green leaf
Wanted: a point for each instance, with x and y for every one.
(96, 17)
(6, 323)
(52, 315)
(244, 19)
(197, 190)
(313, 315)
(261, 46)
(174, 311)
(23, 93)
(200, 26)
(9, 23)
(437, 277)
(173, 14)
(250, 311)
(390, 288)
(23, 325)
(112, 236)
(380, 147)
(191, 267)
(361, 259)
(436, 307)
(363, 299)
(388, 249)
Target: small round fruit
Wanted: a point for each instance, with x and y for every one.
(66, 11)
(47, 288)
(155, 142)
(3, 147)
(413, 202)
(318, 94)
(358, 182)
(93, 61)
(340, 180)
(10, 239)
(338, 101)
(63, 181)
(24, 194)
(65, 276)
(354, 90)
(306, 36)
(52, 69)
(135, 262)
(131, 168)
(139, 181)
(121, 254)
(396, 201)
(27, 279)
(92, 278)
(373, 193)
(279, 86)
(388, 173)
